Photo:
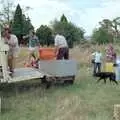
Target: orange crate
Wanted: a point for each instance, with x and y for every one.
(47, 53)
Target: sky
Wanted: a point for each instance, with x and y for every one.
(83, 13)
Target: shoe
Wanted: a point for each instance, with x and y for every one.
(11, 73)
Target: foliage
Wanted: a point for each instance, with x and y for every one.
(108, 31)
(104, 33)
(72, 33)
(27, 25)
(6, 13)
(101, 36)
(17, 25)
(20, 24)
(44, 34)
(63, 19)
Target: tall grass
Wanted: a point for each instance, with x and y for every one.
(84, 100)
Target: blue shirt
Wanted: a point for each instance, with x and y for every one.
(33, 41)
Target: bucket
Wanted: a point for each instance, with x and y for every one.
(109, 67)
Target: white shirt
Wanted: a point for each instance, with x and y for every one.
(97, 57)
(60, 41)
(13, 45)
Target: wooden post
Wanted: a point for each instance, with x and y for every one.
(3, 59)
(0, 104)
(117, 112)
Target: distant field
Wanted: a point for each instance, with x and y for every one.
(84, 100)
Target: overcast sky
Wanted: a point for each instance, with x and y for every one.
(84, 13)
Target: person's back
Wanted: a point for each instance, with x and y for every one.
(61, 50)
(60, 41)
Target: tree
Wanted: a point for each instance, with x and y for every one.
(27, 25)
(17, 26)
(101, 36)
(6, 13)
(20, 24)
(104, 33)
(63, 19)
(116, 25)
(44, 34)
(72, 33)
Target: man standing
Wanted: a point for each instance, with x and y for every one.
(33, 44)
(12, 42)
(97, 62)
(61, 47)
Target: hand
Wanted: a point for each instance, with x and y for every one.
(56, 53)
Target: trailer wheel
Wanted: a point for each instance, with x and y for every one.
(71, 81)
(48, 84)
(45, 82)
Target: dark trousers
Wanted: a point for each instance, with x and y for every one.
(97, 68)
(63, 53)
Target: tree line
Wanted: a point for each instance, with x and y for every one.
(109, 31)
(20, 24)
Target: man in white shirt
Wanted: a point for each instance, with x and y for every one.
(12, 42)
(61, 47)
(97, 62)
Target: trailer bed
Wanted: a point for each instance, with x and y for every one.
(23, 74)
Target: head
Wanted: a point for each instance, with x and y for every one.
(110, 46)
(98, 51)
(7, 33)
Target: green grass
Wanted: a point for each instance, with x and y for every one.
(84, 100)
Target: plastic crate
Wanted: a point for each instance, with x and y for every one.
(47, 53)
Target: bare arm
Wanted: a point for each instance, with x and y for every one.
(26, 36)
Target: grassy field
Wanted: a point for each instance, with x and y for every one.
(84, 100)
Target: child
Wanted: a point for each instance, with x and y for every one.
(33, 62)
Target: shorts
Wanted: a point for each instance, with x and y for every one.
(32, 49)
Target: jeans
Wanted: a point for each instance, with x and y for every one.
(97, 68)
